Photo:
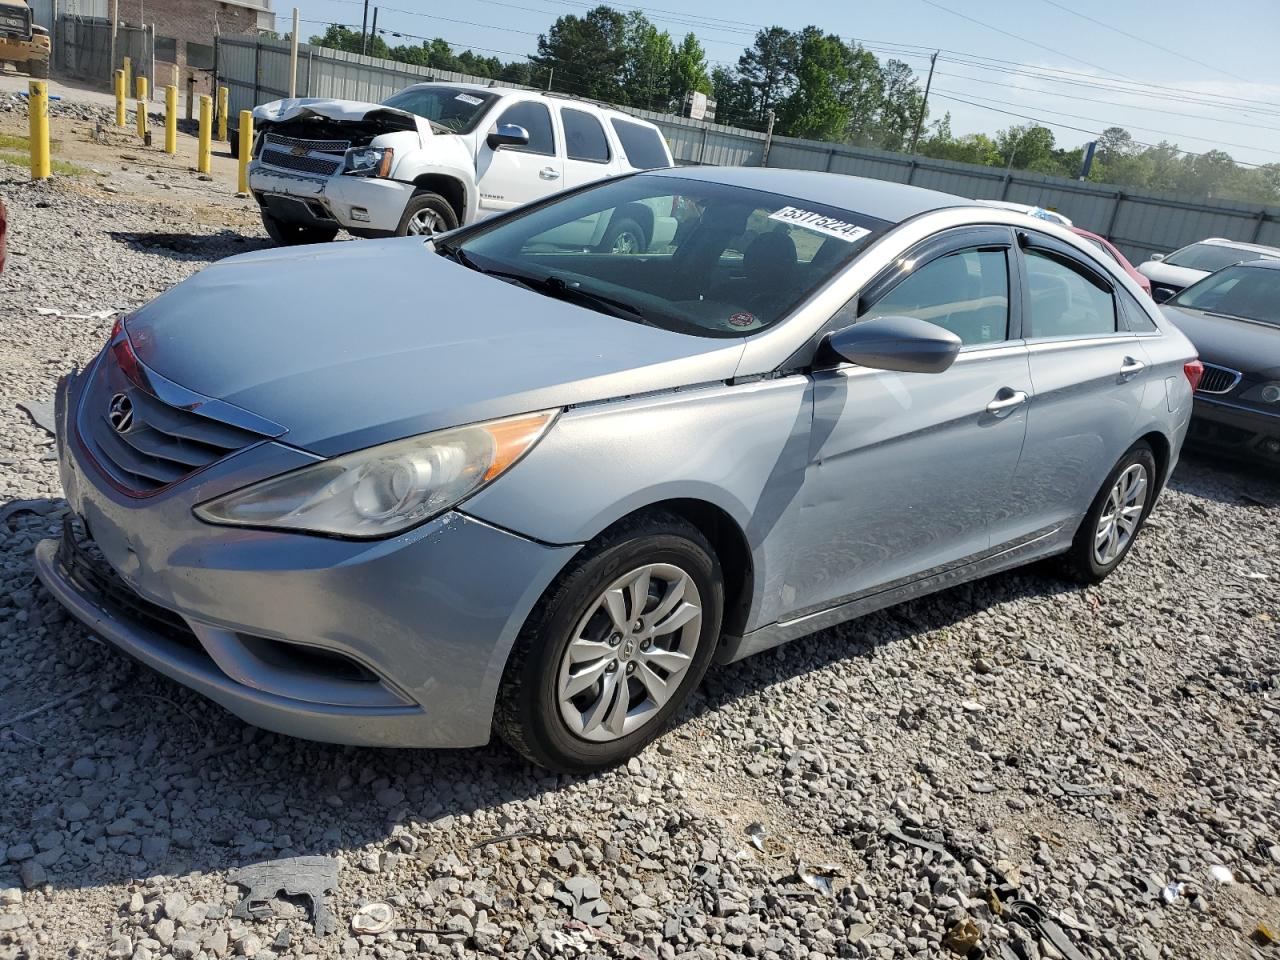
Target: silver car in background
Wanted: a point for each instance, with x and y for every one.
(548, 496)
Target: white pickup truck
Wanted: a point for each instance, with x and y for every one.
(438, 155)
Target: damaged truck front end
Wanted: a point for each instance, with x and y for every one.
(319, 166)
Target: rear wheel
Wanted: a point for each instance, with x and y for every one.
(614, 648)
(426, 214)
(293, 234)
(624, 237)
(1116, 515)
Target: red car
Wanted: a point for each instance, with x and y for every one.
(1109, 249)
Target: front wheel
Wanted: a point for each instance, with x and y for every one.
(614, 648)
(1111, 526)
(425, 215)
(624, 237)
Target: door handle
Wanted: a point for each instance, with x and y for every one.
(549, 173)
(1131, 368)
(1006, 400)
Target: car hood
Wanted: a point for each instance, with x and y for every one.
(1252, 348)
(1161, 272)
(354, 110)
(351, 344)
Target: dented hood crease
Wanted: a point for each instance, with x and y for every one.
(356, 343)
(353, 110)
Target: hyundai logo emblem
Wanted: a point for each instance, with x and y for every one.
(120, 413)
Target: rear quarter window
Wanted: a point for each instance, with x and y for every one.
(642, 145)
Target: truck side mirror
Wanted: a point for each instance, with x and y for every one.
(508, 135)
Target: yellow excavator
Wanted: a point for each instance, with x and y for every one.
(23, 42)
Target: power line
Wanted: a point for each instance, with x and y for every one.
(1015, 36)
(1141, 39)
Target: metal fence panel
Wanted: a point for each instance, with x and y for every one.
(1139, 222)
(82, 49)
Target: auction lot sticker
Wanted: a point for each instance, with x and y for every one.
(820, 223)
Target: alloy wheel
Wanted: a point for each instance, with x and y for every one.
(629, 652)
(625, 243)
(1120, 515)
(425, 222)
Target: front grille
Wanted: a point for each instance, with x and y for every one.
(306, 163)
(1218, 379)
(89, 570)
(160, 443)
(319, 146)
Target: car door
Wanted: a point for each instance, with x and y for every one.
(512, 175)
(907, 469)
(1090, 374)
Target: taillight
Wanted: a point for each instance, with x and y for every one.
(1193, 370)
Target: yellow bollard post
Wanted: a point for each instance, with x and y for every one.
(246, 147)
(128, 75)
(204, 160)
(38, 128)
(223, 94)
(142, 88)
(171, 119)
(140, 111)
(120, 114)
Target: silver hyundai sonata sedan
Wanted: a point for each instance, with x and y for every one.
(407, 493)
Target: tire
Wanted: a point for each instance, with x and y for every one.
(624, 237)
(1089, 562)
(294, 234)
(426, 214)
(555, 732)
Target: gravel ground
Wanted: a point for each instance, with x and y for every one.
(1093, 748)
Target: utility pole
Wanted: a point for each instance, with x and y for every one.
(364, 22)
(551, 72)
(115, 23)
(293, 57)
(768, 138)
(924, 104)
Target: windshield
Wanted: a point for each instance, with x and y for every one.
(693, 256)
(1251, 293)
(1210, 256)
(455, 109)
(1100, 245)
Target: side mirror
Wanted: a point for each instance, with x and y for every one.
(1161, 294)
(1156, 257)
(508, 135)
(896, 343)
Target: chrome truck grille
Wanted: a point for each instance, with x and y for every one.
(318, 157)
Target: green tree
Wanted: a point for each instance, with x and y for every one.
(1027, 147)
(862, 93)
(588, 53)
(688, 70)
(649, 57)
(734, 98)
(767, 66)
(900, 105)
(338, 37)
(815, 108)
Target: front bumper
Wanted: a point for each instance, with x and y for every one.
(1235, 430)
(398, 642)
(363, 204)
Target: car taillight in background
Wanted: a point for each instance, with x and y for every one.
(1193, 370)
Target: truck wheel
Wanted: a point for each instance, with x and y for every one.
(293, 234)
(425, 215)
(624, 237)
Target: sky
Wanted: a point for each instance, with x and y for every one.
(1182, 74)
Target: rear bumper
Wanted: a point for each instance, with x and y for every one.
(360, 204)
(1238, 431)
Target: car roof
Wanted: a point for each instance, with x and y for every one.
(881, 199)
(1264, 264)
(1238, 245)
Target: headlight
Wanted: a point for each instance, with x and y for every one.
(1264, 392)
(385, 489)
(369, 161)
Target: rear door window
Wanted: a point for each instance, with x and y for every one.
(1066, 299)
(584, 138)
(642, 145)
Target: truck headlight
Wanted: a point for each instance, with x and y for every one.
(369, 161)
(385, 489)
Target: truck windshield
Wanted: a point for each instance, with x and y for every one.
(1251, 293)
(1210, 256)
(456, 109)
(689, 255)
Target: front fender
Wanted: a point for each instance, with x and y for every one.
(441, 156)
(741, 448)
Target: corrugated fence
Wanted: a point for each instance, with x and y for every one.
(1140, 222)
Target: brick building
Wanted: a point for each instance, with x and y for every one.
(185, 31)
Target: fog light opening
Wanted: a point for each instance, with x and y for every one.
(360, 213)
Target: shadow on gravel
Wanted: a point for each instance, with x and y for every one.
(1237, 482)
(184, 246)
(138, 775)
